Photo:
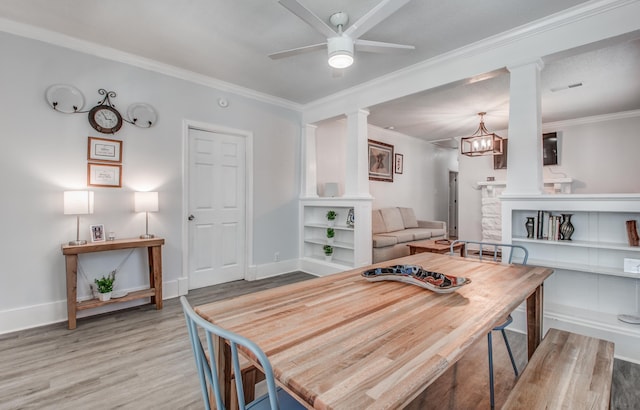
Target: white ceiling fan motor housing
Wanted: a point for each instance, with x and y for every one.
(340, 51)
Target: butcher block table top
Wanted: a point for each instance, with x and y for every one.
(341, 342)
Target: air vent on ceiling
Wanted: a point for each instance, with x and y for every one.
(566, 87)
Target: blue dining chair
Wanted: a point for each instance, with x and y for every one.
(275, 398)
(493, 251)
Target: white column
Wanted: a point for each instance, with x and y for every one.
(309, 164)
(357, 178)
(524, 160)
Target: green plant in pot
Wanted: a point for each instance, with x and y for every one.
(331, 217)
(105, 286)
(331, 233)
(328, 252)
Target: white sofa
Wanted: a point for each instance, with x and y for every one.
(394, 228)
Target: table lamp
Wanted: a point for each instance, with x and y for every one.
(78, 203)
(146, 202)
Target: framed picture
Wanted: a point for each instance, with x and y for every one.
(380, 161)
(550, 148)
(103, 149)
(97, 233)
(399, 163)
(500, 161)
(104, 175)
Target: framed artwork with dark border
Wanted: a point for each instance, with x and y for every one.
(103, 149)
(104, 175)
(500, 161)
(398, 164)
(550, 148)
(380, 161)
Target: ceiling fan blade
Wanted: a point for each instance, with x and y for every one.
(380, 12)
(380, 47)
(298, 50)
(310, 18)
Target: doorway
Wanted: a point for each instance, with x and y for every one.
(216, 206)
(453, 205)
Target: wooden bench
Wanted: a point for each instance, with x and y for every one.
(567, 371)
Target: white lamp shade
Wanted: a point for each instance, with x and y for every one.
(78, 202)
(146, 202)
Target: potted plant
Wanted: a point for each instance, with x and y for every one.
(331, 217)
(331, 233)
(105, 287)
(328, 252)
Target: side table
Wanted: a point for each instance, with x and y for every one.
(71, 252)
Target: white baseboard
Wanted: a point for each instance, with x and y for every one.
(320, 268)
(27, 317)
(625, 337)
(272, 269)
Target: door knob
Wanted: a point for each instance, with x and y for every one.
(191, 217)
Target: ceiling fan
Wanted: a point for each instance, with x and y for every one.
(341, 43)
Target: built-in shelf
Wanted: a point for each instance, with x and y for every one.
(580, 244)
(577, 267)
(352, 244)
(589, 287)
(335, 244)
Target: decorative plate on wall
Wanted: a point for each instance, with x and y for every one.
(64, 98)
(142, 115)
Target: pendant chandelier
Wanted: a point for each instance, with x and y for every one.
(482, 142)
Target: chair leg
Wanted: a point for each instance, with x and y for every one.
(513, 361)
(491, 397)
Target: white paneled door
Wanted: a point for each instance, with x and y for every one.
(217, 179)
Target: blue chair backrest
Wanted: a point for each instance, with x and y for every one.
(495, 249)
(206, 366)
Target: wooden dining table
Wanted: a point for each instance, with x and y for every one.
(342, 342)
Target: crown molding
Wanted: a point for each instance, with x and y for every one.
(550, 126)
(97, 50)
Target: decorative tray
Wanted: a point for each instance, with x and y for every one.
(416, 275)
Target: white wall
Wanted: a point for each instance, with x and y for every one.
(599, 153)
(423, 185)
(331, 154)
(45, 153)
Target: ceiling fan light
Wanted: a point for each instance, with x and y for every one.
(340, 60)
(340, 51)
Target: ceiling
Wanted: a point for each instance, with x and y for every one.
(231, 41)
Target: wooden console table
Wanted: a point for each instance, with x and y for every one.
(71, 252)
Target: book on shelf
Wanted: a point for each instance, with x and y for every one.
(547, 226)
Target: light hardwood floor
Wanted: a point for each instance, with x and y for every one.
(141, 359)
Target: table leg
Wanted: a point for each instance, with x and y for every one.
(155, 274)
(71, 262)
(224, 372)
(462, 250)
(534, 320)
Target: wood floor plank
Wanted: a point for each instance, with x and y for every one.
(140, 358)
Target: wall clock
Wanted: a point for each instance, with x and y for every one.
(105, 119)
